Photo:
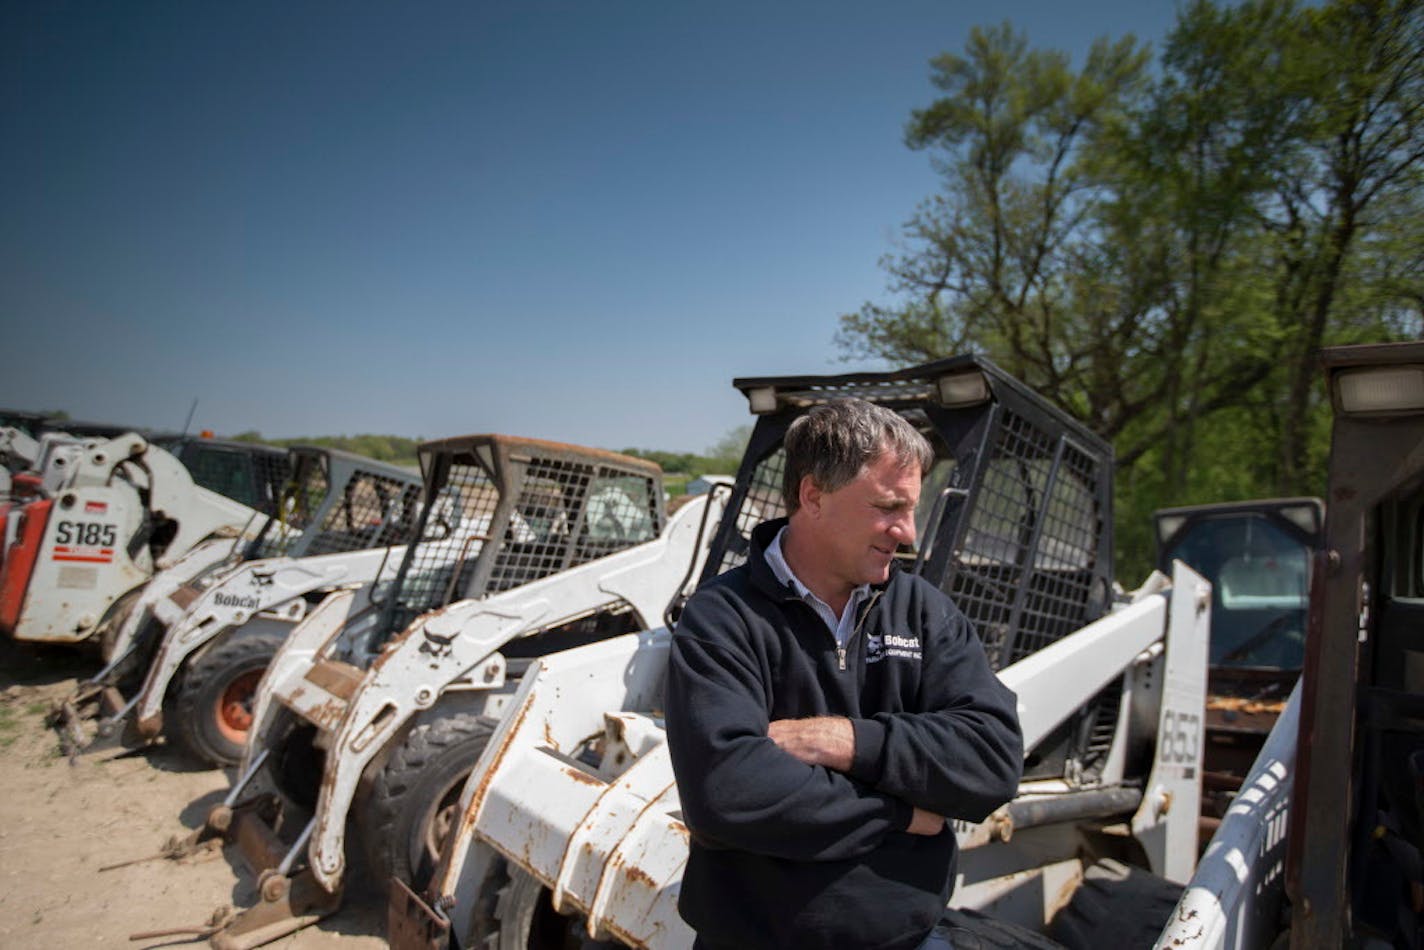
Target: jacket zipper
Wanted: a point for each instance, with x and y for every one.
(859, 625)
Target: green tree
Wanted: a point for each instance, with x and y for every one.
(725, 455)
(1164, 256)
(1354, 179)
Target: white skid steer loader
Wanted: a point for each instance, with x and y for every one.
(1324, 844)
(199, 636)
(569, 827)
(124, 509)
(381, 699)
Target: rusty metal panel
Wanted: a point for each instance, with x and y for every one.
(337, 678)
(184, 596)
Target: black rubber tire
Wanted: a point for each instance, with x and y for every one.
(423, 776)
(191, 714)
(1117, 905)
(516, 912)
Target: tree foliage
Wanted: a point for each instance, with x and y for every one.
(395, 449)
(1163, 247)
(721, 458)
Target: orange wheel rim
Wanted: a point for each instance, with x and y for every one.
(234, 712)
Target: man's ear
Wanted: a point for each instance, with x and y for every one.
(810, 495)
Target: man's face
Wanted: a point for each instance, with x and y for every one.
(858, 527)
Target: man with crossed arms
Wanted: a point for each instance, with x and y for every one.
(826, 712)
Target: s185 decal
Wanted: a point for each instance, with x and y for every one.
(89, 533)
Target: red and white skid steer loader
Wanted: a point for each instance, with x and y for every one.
(123, 509)
(569, 827)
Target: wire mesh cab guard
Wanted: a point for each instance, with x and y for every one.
(336, 502)
(1015, 516)
(502, 511)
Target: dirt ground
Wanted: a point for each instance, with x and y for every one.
(62, 820)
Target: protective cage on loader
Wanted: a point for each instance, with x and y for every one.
(570, 827)
(122, 510)
(1323, 845)
(195, 642)
(380, 701)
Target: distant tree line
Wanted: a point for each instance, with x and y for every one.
(1162, 245)
(395, 449)
(720, 458)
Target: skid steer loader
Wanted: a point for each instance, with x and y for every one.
(379, 702)
(200, 634)
(1257, 556)
(1322, 847)
(569, 827)
(124, 509)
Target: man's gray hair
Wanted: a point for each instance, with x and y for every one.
(834, 442)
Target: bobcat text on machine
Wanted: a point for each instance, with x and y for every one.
(569, 826)
(124, 509)
(1324, 841)
(198, 638)
(382, 698)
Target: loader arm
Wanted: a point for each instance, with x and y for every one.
(442, 650)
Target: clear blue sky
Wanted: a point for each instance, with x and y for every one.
(571, 220)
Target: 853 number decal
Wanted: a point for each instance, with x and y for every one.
(1181, 739)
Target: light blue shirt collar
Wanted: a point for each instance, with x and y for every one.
(840, 627)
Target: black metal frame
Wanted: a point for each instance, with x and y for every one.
(1372, 459)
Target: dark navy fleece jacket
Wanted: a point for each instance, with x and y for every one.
(788, 855)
